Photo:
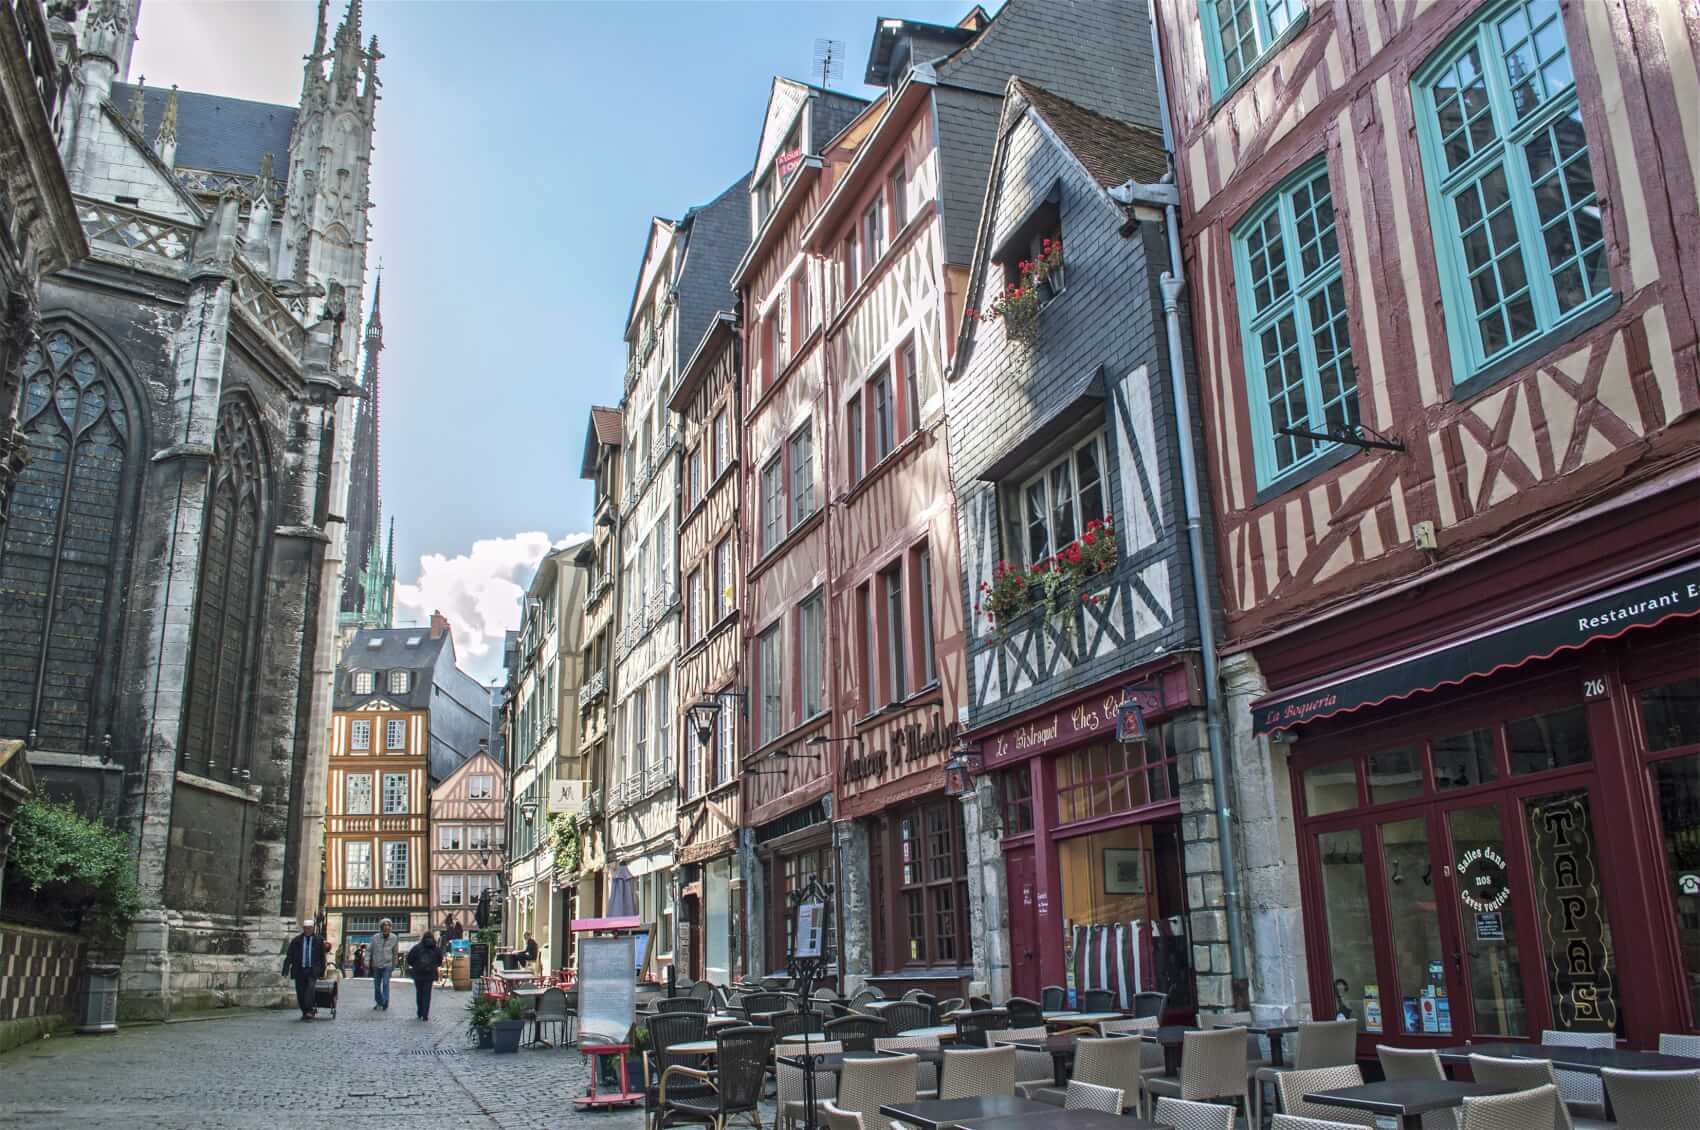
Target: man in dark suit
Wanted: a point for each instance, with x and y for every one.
(304, 960)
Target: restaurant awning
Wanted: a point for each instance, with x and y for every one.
(1642, 603)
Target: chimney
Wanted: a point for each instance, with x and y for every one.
(439, 624)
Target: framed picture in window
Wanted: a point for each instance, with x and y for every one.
(1124, 871)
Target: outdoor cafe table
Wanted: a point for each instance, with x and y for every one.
(931, 1114)
(1066, 1018)
(1057, 1118)
(693, 1047)
(1274, 1032)
(1061, 1049)
(1587, 1060)
(1172, 1037)
(833, 1062)
(721, 1020)
(1405, 1099)
(804, 1037)
(937, 1031)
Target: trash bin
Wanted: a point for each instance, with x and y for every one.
(98, 1013)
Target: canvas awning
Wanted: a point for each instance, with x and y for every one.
(1643, 603)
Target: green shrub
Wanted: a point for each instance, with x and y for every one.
(79, 864)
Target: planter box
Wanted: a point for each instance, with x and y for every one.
(506, 1034)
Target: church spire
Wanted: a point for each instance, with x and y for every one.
(375, 322)
(365, 495)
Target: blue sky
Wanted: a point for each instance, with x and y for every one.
(521, 150)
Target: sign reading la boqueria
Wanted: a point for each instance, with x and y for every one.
(1088, 718)
(1640, 604)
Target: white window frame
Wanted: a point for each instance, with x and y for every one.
(451, 837)
(392, 859)
(401, 682)
(357, 865)
(364, 682)
(348, 795)
(384, 804)
(640, 728)
(799, 456)
(395, 735)
(770, 669)
(480, 837)
(451, 890)
(662, 695)
(1043, 480)
(811, 647)
(773, 525)
(360, 734)
(723, 580)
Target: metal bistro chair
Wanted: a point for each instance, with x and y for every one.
(665, 1030)
(1032, 1069)
(1212, 1067)
(1150, 1004)
(972, 1026)
(1320, 1043)
(680, 1004)
(1292, 1086)
(735, 1085)
(1524, 1075)
(1024, 1013)
(792, 1088)
(1400, 1064)
(1053, 998)
(902, 1016)
(551, 1012)
(796, 1023)
(1654, 1100)
(857, 1033)
(973, 1072)
(1184, 1114)
(1584, 1094)
(1090, 1096)
(1518, 1111)
(926, 1074)
(1098, 1000)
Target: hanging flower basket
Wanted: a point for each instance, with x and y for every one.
(1018, 306)
(1057, 584)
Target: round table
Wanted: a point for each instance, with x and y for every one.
(694, 1047)
(804, 1037)
(939, 1031)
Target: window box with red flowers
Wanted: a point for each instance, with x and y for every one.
(1036, 280)
(1073, 576)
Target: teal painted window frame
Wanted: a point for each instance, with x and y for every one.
(1506, 152)
(1301, 288)
(1267, 37)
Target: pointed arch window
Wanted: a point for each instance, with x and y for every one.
(66, 545)
(228, 598)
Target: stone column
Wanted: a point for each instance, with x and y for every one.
(855, 921)
(755, 906)
(1206, 903)
(988, 903)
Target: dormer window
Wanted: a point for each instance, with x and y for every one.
(1033, 242)
(365, 682)
(400, 681)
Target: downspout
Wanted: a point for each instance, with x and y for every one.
(1173, 282)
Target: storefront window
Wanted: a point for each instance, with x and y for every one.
(1331, 787)
(933, 899)
(795, 873)
(1015, 795)
(1670, 715)
(1486, 922)
(1581, 969)
(1677, 780)
(1419, 963)
(717, 943)
(1124, 909)
(1351, 944)
(1111, 777)
(1462, 760)
(1548, 741)
(1395, 774)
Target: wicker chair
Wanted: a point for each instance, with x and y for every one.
(1518, 1111)
(917, 995)
(841, 1119)
(1654, 1100)
(1184, 1114)
(703, 991)
(868, 1084)
(733, 1089)
(1524, 1075)
(551, 1012)
(1292, 1086)
(1417, 1063)
(792, 1087)
(1032, 1069)
(977, 1071)
(866, 993)
(680, 1004)
(1298, 1122)
(825, 994)
(1098, 1000)
(1053, 998)
(1212, 1067)
(948, 1006)
(926, 1074)
(665, 1030)
(1320, 1043)
(1150, 1004)
(857, 1033)
(1090, 1096)
(765, 1004)
(1024, 1013)
(972, 1026)
(902, 1016)
(1673, 1044)
(1106, 1061)
(1581, 1092)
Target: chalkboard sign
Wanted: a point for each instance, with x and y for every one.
(606, 989)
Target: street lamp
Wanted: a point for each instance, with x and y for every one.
(705, 711)
(959, 772)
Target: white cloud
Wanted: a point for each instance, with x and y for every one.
(479, 593)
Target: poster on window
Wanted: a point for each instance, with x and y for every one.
(1124, 871)
(1572, 911)
(810, 915)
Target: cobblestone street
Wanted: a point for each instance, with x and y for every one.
(361, 1071)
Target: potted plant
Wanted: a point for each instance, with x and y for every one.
(1059, 584)
(1017, 306)
(480, 1014)
(508, 1026)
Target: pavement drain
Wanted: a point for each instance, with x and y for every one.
(432, 1051)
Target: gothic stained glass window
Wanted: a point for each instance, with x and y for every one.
(228, 599)
(64, 546)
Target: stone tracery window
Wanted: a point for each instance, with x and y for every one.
(66, 545)
(227, 601)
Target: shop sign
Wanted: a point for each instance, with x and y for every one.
(1071, 724)
(1482, 882)
(1568, 897)
(910, 744)
(1490, 926)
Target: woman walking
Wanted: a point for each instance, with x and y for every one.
(423, 961)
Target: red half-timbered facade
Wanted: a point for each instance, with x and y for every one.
(1448, 378)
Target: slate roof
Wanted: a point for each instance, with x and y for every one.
(226, 135)
(390, 653)
(717, 234)
(1113, 151)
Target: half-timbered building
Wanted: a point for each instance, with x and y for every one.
(600, 558)
(468, 838)
(1447, 356)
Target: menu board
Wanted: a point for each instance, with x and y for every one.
(606, 989)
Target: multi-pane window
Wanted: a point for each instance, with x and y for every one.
(357, 794)
(395, 863)
(664, 718)
(640, 729)
(771, 674)
(451, 890)
(357, 865)
(723, 744)
(395, 734)
(772, 503)
(723, 579)
(693, 607)
(1059, 502)
(802, 459)
(360, 734)
(693, 477)
(885, 431)
(1298, 353)
(854, 441)
(811, 641)
(850, 265)
(933, 896)
(1111, 777)
(1517, 224)
(802, 313)
(395, 794)
(795, 873)
(898, 182)
(721, 443)
(873, 234)
(1238, 32)
(911, 391)
(365, 682)
(693, 756)
(400, 681)
(450, 837)
(480, 837)
(480, 786)
(896, 637)
(921, 565)
(866, 617)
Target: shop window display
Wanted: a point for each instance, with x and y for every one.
(1125, 924)
(1351, 944)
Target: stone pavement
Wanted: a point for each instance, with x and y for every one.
(365, 1070)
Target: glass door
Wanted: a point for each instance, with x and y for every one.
(1423, 940)
(1479, 875)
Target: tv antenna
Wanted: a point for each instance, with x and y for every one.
(829, 60)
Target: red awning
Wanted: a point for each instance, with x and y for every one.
(1643, 603)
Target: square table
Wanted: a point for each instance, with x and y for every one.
(1274, 1033)
(1060, 1048)
(1060, 1119)
(931, 1114)
(1173, 1038)
(1405, 1099)
(1589, 1061)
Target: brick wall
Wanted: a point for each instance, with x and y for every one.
(39, 972)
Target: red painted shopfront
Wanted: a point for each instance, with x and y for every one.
(1093, 861)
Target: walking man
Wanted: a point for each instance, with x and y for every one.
(423, 961)
(304, 960)
(380, 955)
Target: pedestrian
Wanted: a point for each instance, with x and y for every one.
(381, 957)
(360, 961)
(423, 960)
(530, 950)
(304, 960)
